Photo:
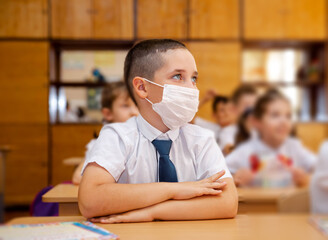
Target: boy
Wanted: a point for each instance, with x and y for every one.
(221, 114)
(174, 166)
(116, 106)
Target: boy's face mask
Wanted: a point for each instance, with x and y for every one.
(178, 106)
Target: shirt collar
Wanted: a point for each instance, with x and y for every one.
(151, 133)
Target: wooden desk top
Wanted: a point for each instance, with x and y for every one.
(68, 193)
(62, 193)
(74, 161)
(282, 227)
(264, 194)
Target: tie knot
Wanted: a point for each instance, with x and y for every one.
(162, 146)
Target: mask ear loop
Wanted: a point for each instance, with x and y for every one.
(154, 84)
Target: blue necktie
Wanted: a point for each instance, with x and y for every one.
(167, 172)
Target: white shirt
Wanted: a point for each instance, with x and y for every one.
(126, 152)
(227, 136)
(319, 183)
(215, 128)
(272, 172)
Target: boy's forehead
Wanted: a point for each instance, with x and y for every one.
(179, 59)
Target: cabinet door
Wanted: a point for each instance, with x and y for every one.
(24, 82)
(27, 163)
(68, 141)
(306, 19)
(24, 18)
(71, 19)
(162, 19)
(24, 117)
(214, 19)
(113, 19)
(219, 69)
(264, 19)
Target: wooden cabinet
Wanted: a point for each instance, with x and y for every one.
(285, 19)
(219, 68)
(212, 19)
(24, 117)
(312, 134)
(113, 19)
(24, 18)
(27, 163)
(24, 82)
(162, 19)
(68, 141)
(71, 18)
(104, 19)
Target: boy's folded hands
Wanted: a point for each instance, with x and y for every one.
(181, 191)
(207, 186)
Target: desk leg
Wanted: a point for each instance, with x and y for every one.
(69, 209)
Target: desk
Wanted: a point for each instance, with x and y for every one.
(262, 200)
(252, 227)
(251, 200)
(73, 161)
(67, 197)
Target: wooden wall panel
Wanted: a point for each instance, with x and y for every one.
(24, 18)
(27, 163)
(113, 19)
(68, 141)
(280, 19)
(162, 19)
(306, 19)
(71, 19)
(24, 82)
(214, 19)
(312, 134)
(219, 68)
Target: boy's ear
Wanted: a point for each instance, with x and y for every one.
(107, 114)
(140, 87)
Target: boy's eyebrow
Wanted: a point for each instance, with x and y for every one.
(182, 70)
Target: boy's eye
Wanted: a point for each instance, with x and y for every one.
(177, 77)
(194, 79)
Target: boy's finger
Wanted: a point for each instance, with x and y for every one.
(216, 176)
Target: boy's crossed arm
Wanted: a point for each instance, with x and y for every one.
(100, 195)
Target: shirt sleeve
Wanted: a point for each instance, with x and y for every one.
(109, 152)
(307, 159)
(237, 159)
(210, 160)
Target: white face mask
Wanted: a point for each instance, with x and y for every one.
(178, 106)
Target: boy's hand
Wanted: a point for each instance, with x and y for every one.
(139, 215)
(243, 177)
(300, 177)
(207, 186)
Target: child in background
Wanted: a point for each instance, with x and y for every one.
(166, 168)
(245, 127)
(222, 114)
(273, 159)
(243, 98)
(319, 183)
(116, 106)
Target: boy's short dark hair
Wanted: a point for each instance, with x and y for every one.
(144, 59)
(111, 92)
(217, 100)
(242, 91)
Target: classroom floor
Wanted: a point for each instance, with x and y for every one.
(16, 211)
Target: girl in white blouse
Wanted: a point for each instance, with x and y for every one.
(273, 158)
